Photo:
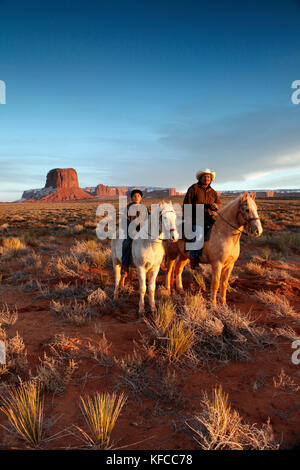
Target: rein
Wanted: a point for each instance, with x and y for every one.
(247, 221)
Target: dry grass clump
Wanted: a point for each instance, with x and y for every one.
(280, 305)
(74, 312)
(64, 290)
(79, 262)
(221, 428)
(180, 340)
(285, 241)
(16, 356)
(68, 266)
(255, 268)
(87, 252)
(54, 374)
(13, 244)
(97, 297)
(32, 262)
(165, 314)
(100, 351)
(220, 333)
(199, 278)
(8, 316)
(12, 247)
(101, 412)
(24, 408)
(285, 382)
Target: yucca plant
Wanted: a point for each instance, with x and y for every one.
(101, 412)
(179, 340)
(24, 408)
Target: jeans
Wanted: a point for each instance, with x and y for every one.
(126, 253)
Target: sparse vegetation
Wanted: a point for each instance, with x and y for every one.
(24, 408)
(101, 413)
(219, 427)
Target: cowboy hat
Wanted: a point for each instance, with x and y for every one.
(204, 172)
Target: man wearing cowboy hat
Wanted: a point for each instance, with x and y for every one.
(202, 193)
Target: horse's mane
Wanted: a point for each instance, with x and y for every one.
(231, 204)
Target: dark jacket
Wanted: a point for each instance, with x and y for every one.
(197, 194)
(130, 218)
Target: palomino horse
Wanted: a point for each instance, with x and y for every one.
(223, 247)
(147, 252)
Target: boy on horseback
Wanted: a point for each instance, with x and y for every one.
(136, 196)
(202, 193)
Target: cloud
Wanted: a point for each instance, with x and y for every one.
(240, 146)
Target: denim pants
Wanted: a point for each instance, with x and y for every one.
(199, 235)
(126, 253)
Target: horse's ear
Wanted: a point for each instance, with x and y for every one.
(245, 197)
(253, 195)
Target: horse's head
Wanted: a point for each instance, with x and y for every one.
(167, 221)
(247, 215)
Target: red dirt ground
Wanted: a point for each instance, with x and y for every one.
(157, 425)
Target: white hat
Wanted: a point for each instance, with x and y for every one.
(204, 172)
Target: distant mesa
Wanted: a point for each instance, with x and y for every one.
(62, 178)
(62, 185)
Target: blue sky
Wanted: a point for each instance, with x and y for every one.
(134, 92)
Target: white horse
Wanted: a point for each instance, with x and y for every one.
(147, 252)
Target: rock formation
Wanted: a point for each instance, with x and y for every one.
(61, 185)
(62, 178)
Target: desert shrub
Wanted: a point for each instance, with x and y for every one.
(100, 351)
(220, 333)
(8, 316)
(74, 312)
(285, 382)
(64, 290)
(24, 408)
(280, 305)
(54, 374)
(13, 246)
(221, 428)
(97, 297)
(101, 412)
(16, 356)
(255, 268)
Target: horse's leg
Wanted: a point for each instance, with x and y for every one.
(216, 273)
(179, 267)
(226, 271)
(117, 271)
(123, 277)
(151, 287)
(142, 283)
(169, 274)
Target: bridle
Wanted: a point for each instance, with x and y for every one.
(247, 221)
(160, 223)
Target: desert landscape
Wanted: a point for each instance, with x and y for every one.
(193, 376)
